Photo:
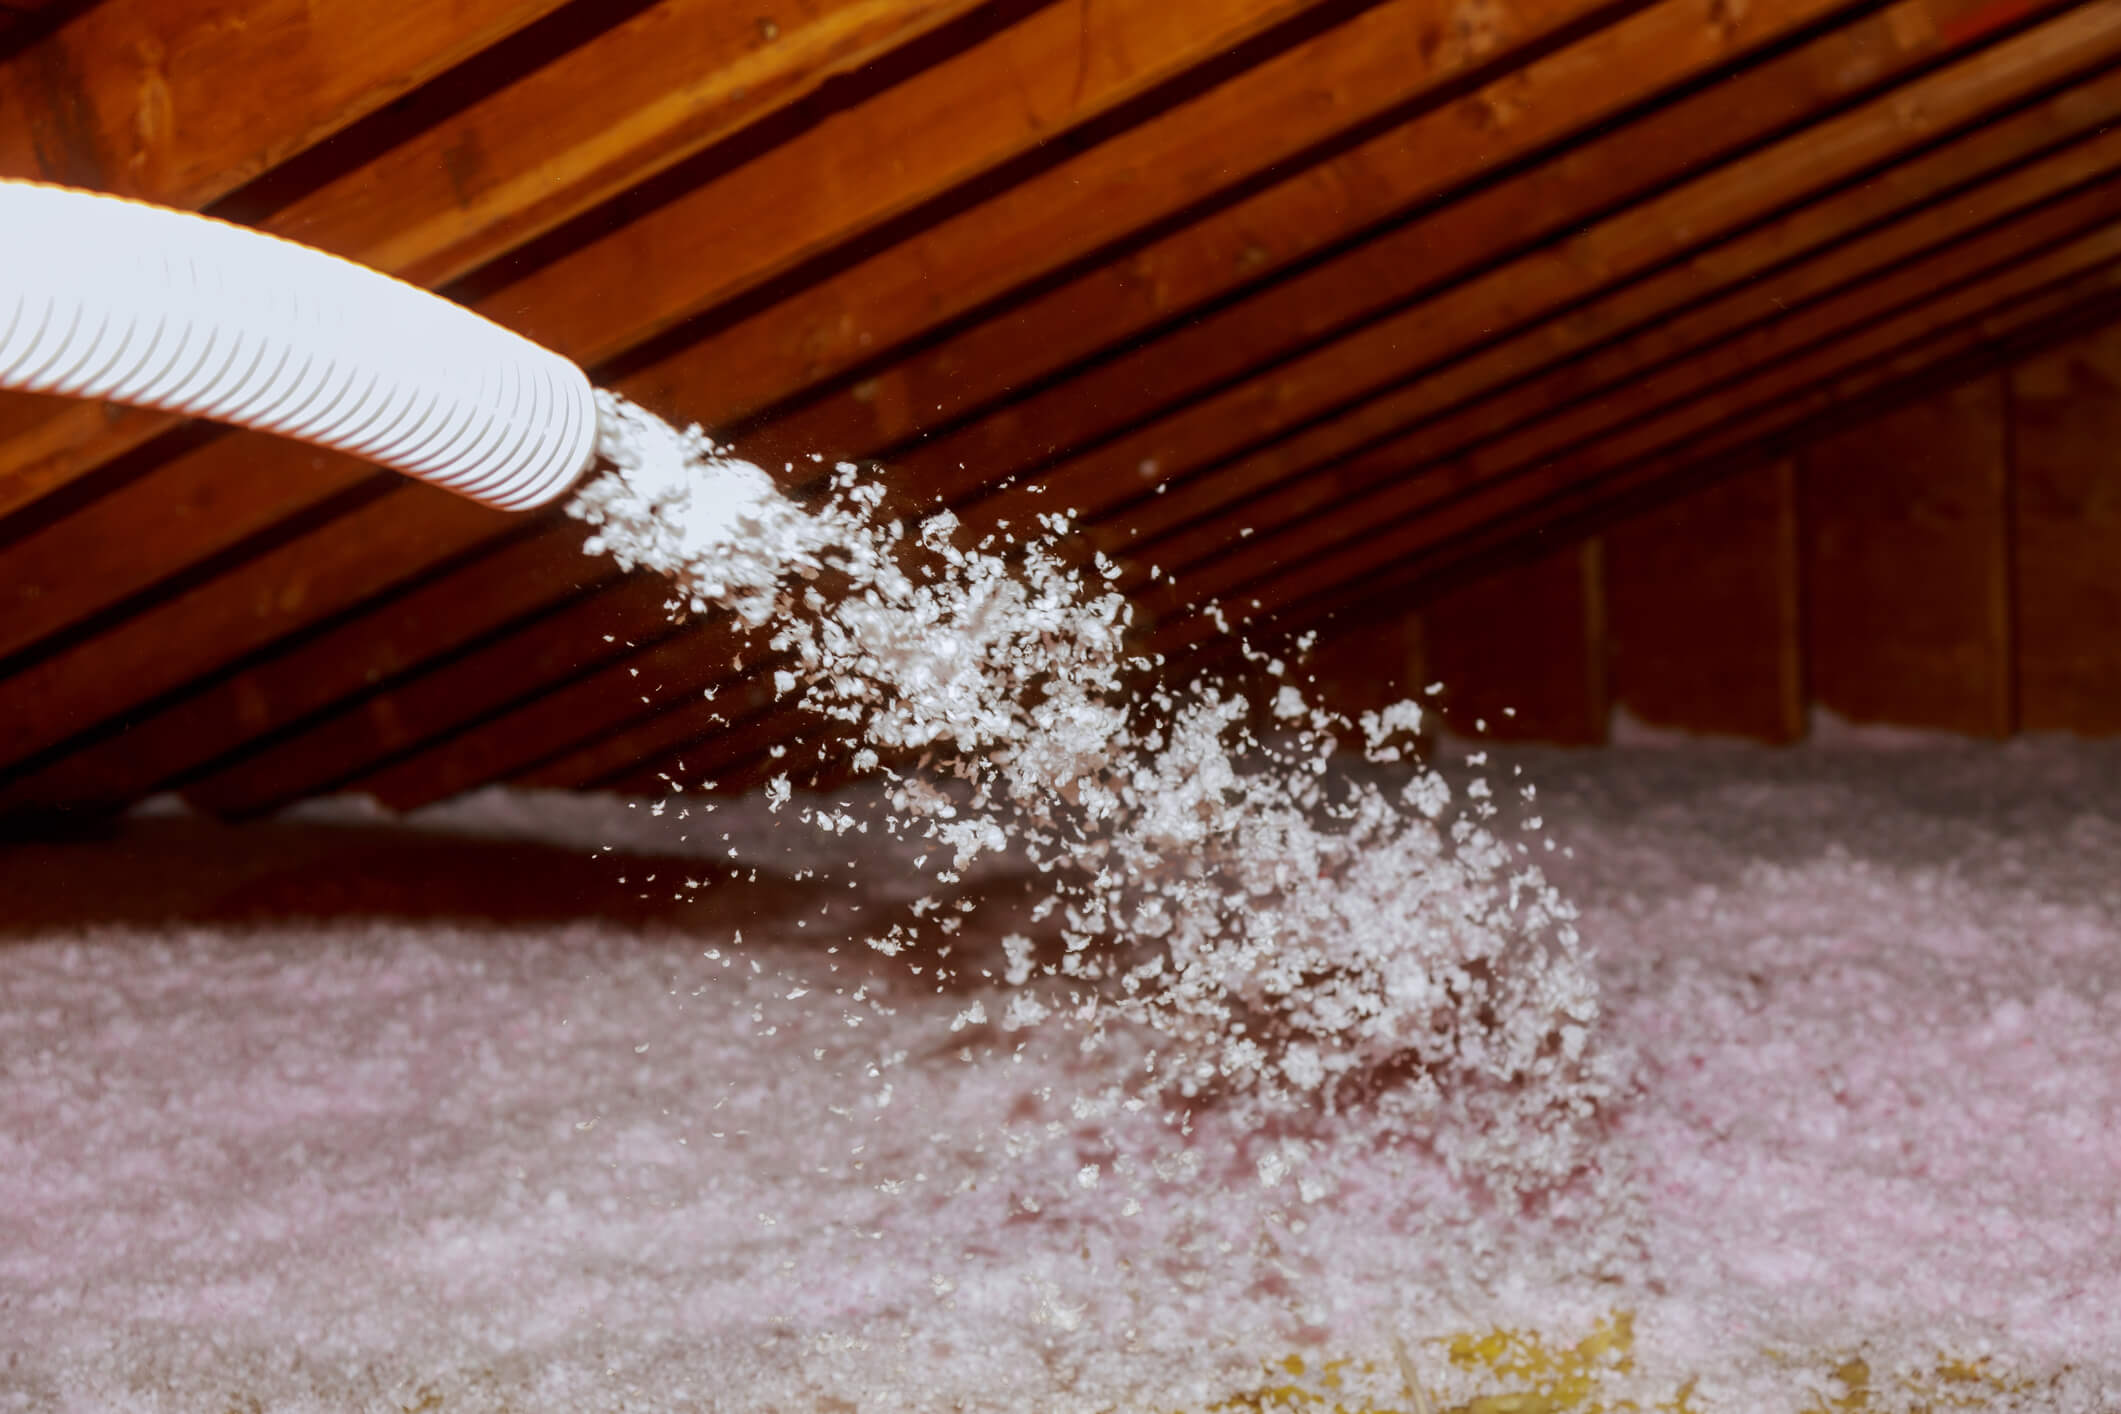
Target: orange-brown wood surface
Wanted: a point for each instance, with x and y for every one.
(615, 104)
(181, 101)
(1433, 152)
(1361, 539)
(1723, 520)
(1907, 566)
(212, 622)
(1381, 59)
(1757, 279)
(1702, 610)
(239, 484)
(698, 719)
(584, 636)
(2065, 411)
(1520, 652)
(427, 621)
(1978, 347)
(623, 696)
(2072, 113)
(1025, 84)
(1372, 359)
(1384, 318)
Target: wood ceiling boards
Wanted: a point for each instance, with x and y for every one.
(1306, 306)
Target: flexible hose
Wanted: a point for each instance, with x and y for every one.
(114, 299)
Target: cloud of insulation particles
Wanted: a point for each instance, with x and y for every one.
(1278, 967)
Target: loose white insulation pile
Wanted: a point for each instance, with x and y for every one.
(1119, 1060)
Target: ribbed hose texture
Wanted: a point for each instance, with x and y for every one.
(107, 298)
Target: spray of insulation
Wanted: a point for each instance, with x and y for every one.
(1347, 964)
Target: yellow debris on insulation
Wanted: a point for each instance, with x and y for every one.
(1526, 1375)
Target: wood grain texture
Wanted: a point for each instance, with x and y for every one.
(139, 97)
(854, 167)
(219, 619)
(1428, 332)
(1786, 265)
(1912, 289)
(1683, 403)
(620, 697)
(1438, 150)
(399, 633)
(741, 758)
(2066, 552)
(692, 722)
(353, 739)
(213, 494)
(969, 103)
(1978, 347)
(1906, 566)
(1441, 300)
(1352, 74)
(2082, 274)
(482, 179)
(598, 118)
(1839, 56)
(1703, 610)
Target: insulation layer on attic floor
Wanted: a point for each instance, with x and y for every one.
(417, 1155)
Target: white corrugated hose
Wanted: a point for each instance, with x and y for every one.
(131, 303)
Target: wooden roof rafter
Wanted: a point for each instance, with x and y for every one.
(2054, 240)
(1511, 520)
(254, 486)
(1197, 270)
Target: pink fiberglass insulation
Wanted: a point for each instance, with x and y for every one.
(1868, 1002)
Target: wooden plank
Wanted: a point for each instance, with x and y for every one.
(474, 181)
(2018, 327)
(223, 618)
(136, 96)
(1520, 653)
(1703, 613)
(600, 117)
(2085, 271)
(1639, 416)
(211, 496)
(2020, 330)
(620, 696)
(1376, 64)
(2064, 113)
(854, 167)
(1786, 264)
(2066, 552)
(352, 739)
(402, 632)
(1430, 331)
(1561, 497)
(1261, 237)
(731, 750)
(675, 729)
(1907, 566)
(49, 442)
